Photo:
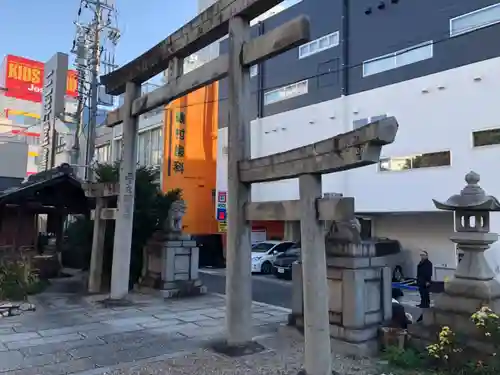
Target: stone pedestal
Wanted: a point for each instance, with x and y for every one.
(474, 284)
(360, 298)
(180, 269)
(171, 266)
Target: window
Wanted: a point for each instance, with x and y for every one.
(149, 146)
(427, 160)
(254, 70)
(282, 247)
(287, 92)
(319, 45)
(475, 20)
(486, 137)
(117, 149)
(262, 247)
(407, 56)
(156, 146)
(103, 153)
(143, 149)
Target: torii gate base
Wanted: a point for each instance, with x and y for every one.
(359, 287)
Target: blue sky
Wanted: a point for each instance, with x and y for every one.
(37, 29)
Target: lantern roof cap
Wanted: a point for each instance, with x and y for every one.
(472, 197)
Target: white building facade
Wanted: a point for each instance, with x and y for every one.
(448, 115)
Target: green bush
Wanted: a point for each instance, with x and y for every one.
(151, 208)
(404, 358)
(450, 355)
(17, 280)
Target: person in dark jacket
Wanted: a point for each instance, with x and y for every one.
(424, 278)
(400, 319)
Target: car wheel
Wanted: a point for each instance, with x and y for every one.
(397, 274)
(267, 267)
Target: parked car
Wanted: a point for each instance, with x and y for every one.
(282, 267)
(395, 258)
(264, 254)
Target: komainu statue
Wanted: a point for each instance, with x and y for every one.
(175, 215)
(173, 224)
(343, 232)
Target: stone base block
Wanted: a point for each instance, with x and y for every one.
(151, 281)
(354, 342)
(463, 304)
(364, 349)
(249, 348)
(175, 289)
(482, 292)
(292, 320)
(181, 289)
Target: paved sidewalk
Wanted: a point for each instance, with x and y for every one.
(70, 334)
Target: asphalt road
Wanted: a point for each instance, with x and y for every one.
(265, 288)
(268, 289)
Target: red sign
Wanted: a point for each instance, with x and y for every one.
(24, 79)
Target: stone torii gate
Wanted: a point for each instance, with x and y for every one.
(225, 16)
(354, 149)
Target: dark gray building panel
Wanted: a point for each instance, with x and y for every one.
(406, 24)
(320, 69)
(368, 29)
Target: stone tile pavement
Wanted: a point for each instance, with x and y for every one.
(75, 335)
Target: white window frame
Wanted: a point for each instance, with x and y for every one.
(287, 92)
(147, 157)
(254, 70)
(393, 57)
(306, 49)
(477, 27)
(274, 11)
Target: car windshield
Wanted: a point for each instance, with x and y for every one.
(262, 247)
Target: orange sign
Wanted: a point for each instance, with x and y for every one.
(24, 79)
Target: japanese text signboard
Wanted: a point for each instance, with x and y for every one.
(221, 211)
(179, 143)
(54, 86)
(24, 79)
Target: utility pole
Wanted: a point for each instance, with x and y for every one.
(94, 86)
(96, 37)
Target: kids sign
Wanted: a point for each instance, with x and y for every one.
(24, 79)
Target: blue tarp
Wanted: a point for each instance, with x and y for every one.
(408, 285)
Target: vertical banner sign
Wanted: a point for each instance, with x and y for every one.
(54, 90)
(221, 213)
(180, 143)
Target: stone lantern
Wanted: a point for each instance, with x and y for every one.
(474, 282)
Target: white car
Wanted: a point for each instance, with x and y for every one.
(264, 253)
